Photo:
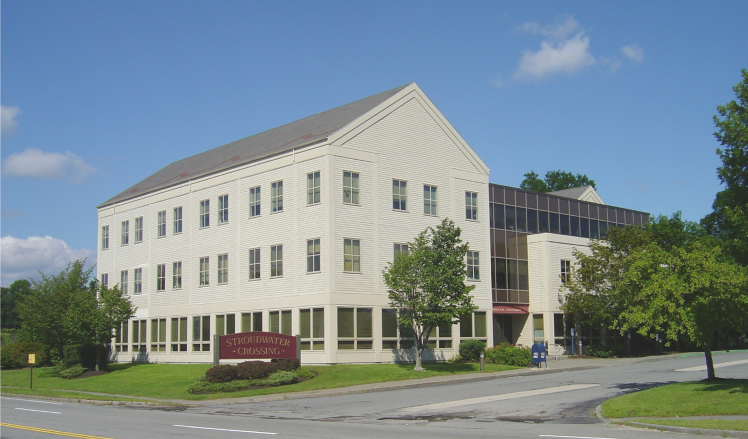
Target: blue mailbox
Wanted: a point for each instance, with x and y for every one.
(538, 354)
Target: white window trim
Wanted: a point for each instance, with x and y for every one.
(351, 187)
(361, 270)
(160, 225)
(136, 230)
(181, 220)
(313, 203)
(225, 258)
(318, 255)
(477, 267)
(258, 201)
(436, 206)
(477, 209)
(259, 265)
(200, 271)
(282, 196)
(225, 209)
(271, 261)
(407, 196)
(201, 213)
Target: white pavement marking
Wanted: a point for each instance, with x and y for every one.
(718, 365)
(492, 398)
(223, 429)
(40, 411)
(33, 400)
(575, 437)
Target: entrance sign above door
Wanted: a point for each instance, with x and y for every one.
(511, 309)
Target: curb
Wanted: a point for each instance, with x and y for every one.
(688, 430)
(88, 401)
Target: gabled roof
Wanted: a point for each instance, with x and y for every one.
(583, 193)
(278, 140)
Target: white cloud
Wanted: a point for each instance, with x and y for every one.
(24, 258)
(567, 56)
(634, 53)
(40, 165)
(8, 122)
(557, 31)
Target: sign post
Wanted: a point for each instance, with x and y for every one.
(32, 360)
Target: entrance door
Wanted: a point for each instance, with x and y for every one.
(502, 329)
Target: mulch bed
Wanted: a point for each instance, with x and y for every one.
(92, 373)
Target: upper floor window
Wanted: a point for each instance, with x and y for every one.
(204, 213)
(254, 201)
(276, 260)
(429, 199)
(137, 287)
(565, 270)
(473, 265)
(276, 196)
(400, 195)
(223, 268)
(123, 281)
(400, 249)
(223, 209)
(352, 255)
(312, 188)
(178, 220)
(138, 229)
(176, 275)
(125, 237)
(312, 256)
(254, 263)
(104, 237)
(204, 271)
(471, 206)
(351, 188)
(161, 224)
(105, 280)
(160, 277)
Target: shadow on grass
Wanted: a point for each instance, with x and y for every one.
(116, 367)
(636, 387)
(724, 384)
(442, 367)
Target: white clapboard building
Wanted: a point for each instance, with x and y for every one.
(289, 230)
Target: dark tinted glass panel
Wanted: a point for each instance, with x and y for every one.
(532, 201)
(542, 222)
(532, 221)
(553, 204)
(594, 231)
(593, 211)
(498, 194)
(512, 274)
(565, 225)
(563, 206)
(584, 210)
(573, 207)
(521, 219)
(574, 225)
(521, 246)
(497, 213)
(510, 220)
(554, 223)
(499, 244)
(519, 200)
(629, 218)
(522, 276)
(498, 268)
(511, 245)
(603, 229)
(637, 219)
(584, 227)
(542, 202)
(611, 214)
(509, 196)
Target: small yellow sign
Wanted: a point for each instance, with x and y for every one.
(32, 358)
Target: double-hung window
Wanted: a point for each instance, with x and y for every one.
(565, 270)
(123, 281)
(158, 335)
(161, 277)
(473, 265)
(312, 329)
(125, 236)
(201, 333)
(355, 328)
(225, 324)
(312, 188)
(400, 249)
(204, 271)
(138, 229)
(161, 224)
(276, 196)
(179, 334)
(178, 220)
(104, 237)
(252, 321)
(429, 200)
(139, 328)
(223, 268)
(137, 287)
(204, 214)
(276, 260)
(312, 256)
(254, 263)
(121, 335)
(471, 206)
(254, 202)
(473, 325)
(280, 321)
(105, 280)
(351, 188)
(352, 255)
(176, 275)
(223, 209)
(400, 195)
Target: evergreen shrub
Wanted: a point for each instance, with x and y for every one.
(508, 355)
(470, 349)
(16, 355)
(254, 370)
(222, 374)
(287, 364)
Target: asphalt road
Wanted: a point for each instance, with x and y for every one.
(543, 404)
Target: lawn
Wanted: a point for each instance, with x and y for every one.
(702, 398)
(170, 381)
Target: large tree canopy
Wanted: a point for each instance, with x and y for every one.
(427, 284)
(729, 220)
(9, 299)
(554, 181)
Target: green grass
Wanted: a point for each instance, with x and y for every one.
(703, 398)
(170, 381)
(717, 424)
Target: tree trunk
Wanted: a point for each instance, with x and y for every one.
(419, 352)
(98, 355)
(709, 362)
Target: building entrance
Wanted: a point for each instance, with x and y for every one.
(502, 329)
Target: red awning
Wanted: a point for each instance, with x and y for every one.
(511, 309)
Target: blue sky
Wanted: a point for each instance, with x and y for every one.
(98, 95)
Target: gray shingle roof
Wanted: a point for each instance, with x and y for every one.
(574, 192)
(275, 141)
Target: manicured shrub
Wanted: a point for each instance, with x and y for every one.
(281, 378)
(53, 371)
(71, 355)
(16, 355)
(73, 372)
(287, 364)
(509, 355)
(303, 373)
(222, 374)
(599, 352)
(254, 370)
(471, 349)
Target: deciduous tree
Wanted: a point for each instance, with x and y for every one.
(554, 181)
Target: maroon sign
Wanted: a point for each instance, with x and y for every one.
(257, 345)
(511, 309)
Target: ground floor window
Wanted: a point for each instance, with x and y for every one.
(139, 341)
(473, 326)
(440, 337)
(158, 335)
(226, 324)
(201, 334)
(538, 333)
(395, 335)
(312, 329)
(355, 328)
(252, 322)
(179, 334)
(558, 330)
(280, 322)
(120, 337)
